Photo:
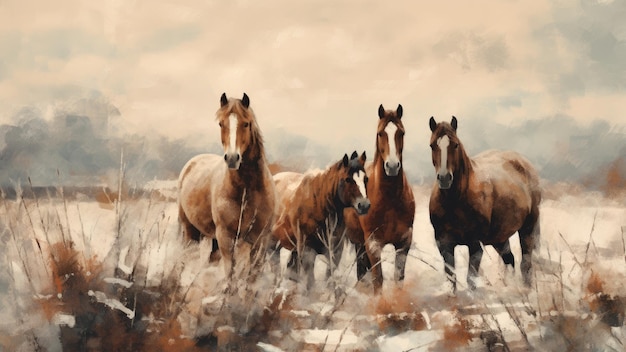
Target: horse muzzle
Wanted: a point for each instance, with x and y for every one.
(362, 205)
(233, 160)
(392, 167)
(445, 181)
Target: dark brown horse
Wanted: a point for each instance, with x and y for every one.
(481, 200)
(230, 198)
(390, 218)
(311, 209)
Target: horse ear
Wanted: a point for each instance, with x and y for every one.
(363, 157)
(223, 100)
(345, 160)
(381, 111)
(354, 155)
(245, 100)
(454, 123)
(433, 124)
(399, 111)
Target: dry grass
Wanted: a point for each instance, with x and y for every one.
(148, 291)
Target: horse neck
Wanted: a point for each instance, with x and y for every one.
(250, 175)
(327, 200)
(253, 165)
(256, 151)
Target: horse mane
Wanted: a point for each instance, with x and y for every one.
(256, 151)
(323, 190)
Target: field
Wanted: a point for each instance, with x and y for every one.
(111, 272)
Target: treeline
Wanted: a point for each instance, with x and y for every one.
(81, 145)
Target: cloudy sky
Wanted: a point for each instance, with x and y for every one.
(318, 68)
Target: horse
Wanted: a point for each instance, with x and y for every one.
(391, 215)
(485, 199)
(310, 212)
(230, 199)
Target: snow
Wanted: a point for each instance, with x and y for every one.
(408, 341)
(325, 336)
(64, 319)
(112, 303)
(581, 235)
(117, 281)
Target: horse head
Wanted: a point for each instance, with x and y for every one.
(352, 188)
(390, 139)
(238, 129)
(447, 152)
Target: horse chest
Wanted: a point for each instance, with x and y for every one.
(461, 221)
(245, 214)
(386, 222)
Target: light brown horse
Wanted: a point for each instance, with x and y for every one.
(391, 215)
(230, 198)
(485, 199)
(311, 211)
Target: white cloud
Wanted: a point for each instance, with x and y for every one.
(318, 68)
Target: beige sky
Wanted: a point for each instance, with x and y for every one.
(318, 68)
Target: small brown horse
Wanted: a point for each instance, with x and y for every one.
(485, 199)
(390, 218)
(230, 198)
(311, 211)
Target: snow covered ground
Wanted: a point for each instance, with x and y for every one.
(78, 272)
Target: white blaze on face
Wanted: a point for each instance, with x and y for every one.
(393, 159)
(232, 127)
(359, 178)
(391, 129)
(443, 144)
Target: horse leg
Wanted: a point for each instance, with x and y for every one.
(475, 255)
(447, 252)
(307, 266)
(401, 255)
(226, 248)
(293, 266)
(334, 253)
(362, 261)
(529, 240)
(257, 257)
(215, 255)
(504, 250)
(273, 251)
(374, 249)
(190, 232)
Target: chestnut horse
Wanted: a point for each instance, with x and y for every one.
(230, 198)
(484, 199)
(391, 215)
(311, 211)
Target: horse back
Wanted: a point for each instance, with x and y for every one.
(508, 170)
(306, 210)
(511, 186)
(286, 184)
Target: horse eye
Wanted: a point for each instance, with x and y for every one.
(246, 124)
(366, 179)
(221, 124)
(380, 134)
(456, 145)
(350, 180)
